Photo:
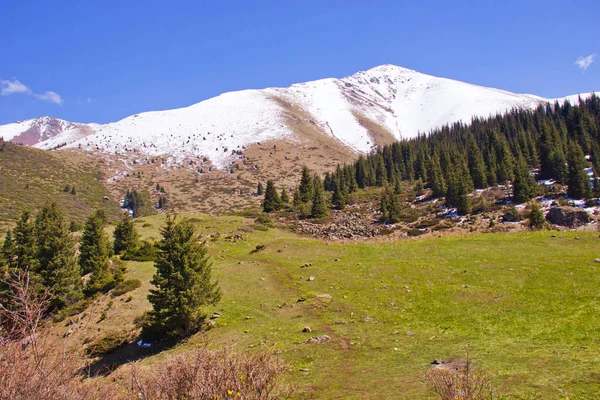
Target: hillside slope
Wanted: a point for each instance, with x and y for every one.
(30, 177)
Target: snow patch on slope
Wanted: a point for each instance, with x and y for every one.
(214, 128)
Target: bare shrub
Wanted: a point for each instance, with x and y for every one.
(208, 374)
(31, 365)
(460, 381)
(34, 364)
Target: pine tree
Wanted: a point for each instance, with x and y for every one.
(259, 189)
(390, 207)
(125, 236)
(284, 196)
(524, 185)
(94, 253)
(536, 216)
(306, 188)
(477, 165)
(162, 202)
(8, 254)
(183, 283)
(272, 202)
(458, 193)
(25, 244)
(419, 187)
(578, 181)
(596, 184)
(296, 198)
(319, 206)
(55, 253)
(338, 199)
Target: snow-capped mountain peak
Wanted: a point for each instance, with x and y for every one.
(371, 107)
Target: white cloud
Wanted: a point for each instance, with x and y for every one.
(12, 87)
(89, 100)
(51, 97)
(8, 87)
(584, 62)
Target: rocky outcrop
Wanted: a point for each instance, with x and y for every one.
(344, 226)
(570, 217)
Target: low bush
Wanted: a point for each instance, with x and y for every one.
(108, 343)
(75, 309)
(125, 287)
(207, 374)
(146, 252)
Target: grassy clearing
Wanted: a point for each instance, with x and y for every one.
(526, 303)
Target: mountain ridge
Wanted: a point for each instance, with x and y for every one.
(360, 111)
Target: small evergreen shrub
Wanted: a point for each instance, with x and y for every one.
(125, 287)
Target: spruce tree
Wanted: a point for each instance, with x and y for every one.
(284, 196)
(338, 199)
(296, 198)
(183, 283)
(524, 185)
(125, 236)
(55, 253)
(306, 189)
(259, 189)
(477, 166)
(578, 180)
(419, 187)
(8, 254)
(25, 244)
(272, 202)
(94, 254)
(319, 206)
(390, 207)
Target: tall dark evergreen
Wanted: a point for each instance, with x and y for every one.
(8, 253)
(338, 198)
(319, 205)
(183, 282)
(259, 189)
(578, 180)
(25, 244)
(125, 236)
(284, 196)
(272, 201)
(390, 207)
(55, 253)
(94, 254)
(133, 201)
(306, 188)
(524, 185)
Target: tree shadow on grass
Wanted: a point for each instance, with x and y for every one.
(107, 363)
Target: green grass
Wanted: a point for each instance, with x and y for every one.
(525, 303)
(31, 177)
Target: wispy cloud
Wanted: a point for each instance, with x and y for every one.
(51, 97)
(584, 62)
(12, 87)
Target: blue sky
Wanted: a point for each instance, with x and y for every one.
(100, 61)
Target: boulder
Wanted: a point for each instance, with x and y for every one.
(570, 217)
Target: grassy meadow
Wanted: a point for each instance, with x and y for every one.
(526, 304)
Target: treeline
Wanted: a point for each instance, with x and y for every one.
(550, 140)
(45, 249)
